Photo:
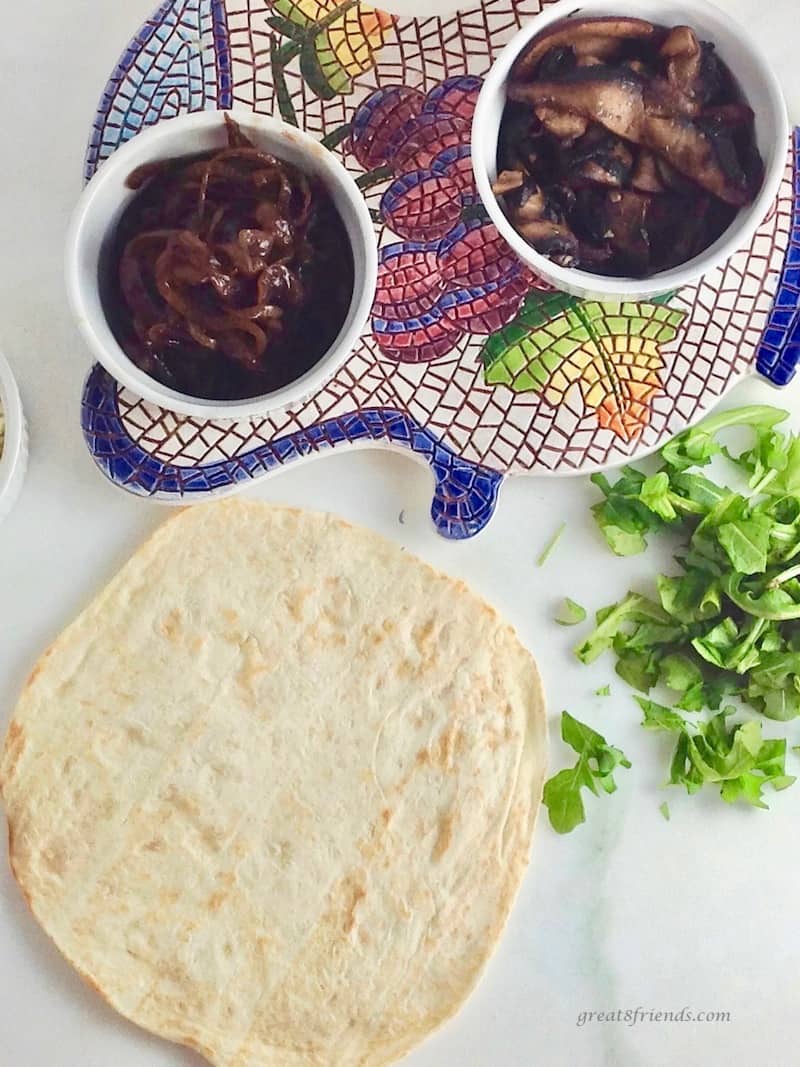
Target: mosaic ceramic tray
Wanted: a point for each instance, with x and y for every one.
(470, 363)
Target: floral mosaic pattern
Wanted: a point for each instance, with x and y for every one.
(443, 355)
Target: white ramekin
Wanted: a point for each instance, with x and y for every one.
(758, 82)
(106, 197)
(14, 457)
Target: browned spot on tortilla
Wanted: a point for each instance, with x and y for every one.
(197, 644)
(296, 602)
(423, 756)
(389, 626)
(444, 837)
(386, 815)
(423, 633)
(171, 626)
(15, 744)
(407, 669)
(135, 733)
(216, 900)
(445, 747)
(229, 615)
(212, 838)
(358, 894)
(92, 984)
(155, 844)
(253, 667)
(37, 670)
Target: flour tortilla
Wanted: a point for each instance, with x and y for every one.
(272, 794)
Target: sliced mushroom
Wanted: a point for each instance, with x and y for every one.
(708, 157)
(626, 228)
(601, 158)
(638, 149)
(553, 240)
(567, 126)
(673, 179)
(661, 97)
(556, 63)
(684, 58)
(530, 205)
(603, 38)
(646, 177)
(675, 226)
(610, 96)
(507, 181)
(730, 115)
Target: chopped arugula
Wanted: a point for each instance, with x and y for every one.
(727, 623)
(603, 691)
(664, 809)
(597, 761)
(738, 759)
(571, 613)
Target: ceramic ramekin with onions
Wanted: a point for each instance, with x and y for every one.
(106, 197)
(757, 82)
(14, 453)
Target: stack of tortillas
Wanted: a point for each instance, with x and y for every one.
(272, 794)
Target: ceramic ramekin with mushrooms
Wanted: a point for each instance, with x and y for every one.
(626, 154)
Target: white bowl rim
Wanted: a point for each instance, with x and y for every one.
(13, 448)
(119, 364)
(738, 233)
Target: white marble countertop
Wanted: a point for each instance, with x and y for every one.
(629, 911)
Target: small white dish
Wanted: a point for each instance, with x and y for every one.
(106, 197)
(14, 455)
(758, 82)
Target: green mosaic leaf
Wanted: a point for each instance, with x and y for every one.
(552, 327)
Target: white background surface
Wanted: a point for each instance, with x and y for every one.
(629, 910)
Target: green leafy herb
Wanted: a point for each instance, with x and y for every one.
(597, 761)
(571, 613)
(603, 691)
(727, 623)
(551, 544)
(663, 807)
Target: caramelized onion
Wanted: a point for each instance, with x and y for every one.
(233, 272)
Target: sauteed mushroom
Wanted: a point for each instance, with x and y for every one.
(636, 138)
(601, 38)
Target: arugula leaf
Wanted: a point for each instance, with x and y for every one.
(738, 759)
(571, 613)
(680, 672)
(562, 796)
(657, 717)
(696, 446)
(655, 494)
(632, 610)
(603, 691)
(690, 597)
(746, 541)
(597, 761)
(640, 669)
(622, 517)
(664, 809)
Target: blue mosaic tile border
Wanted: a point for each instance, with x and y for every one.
(464, 500)
(168, 68)
(779, 352)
